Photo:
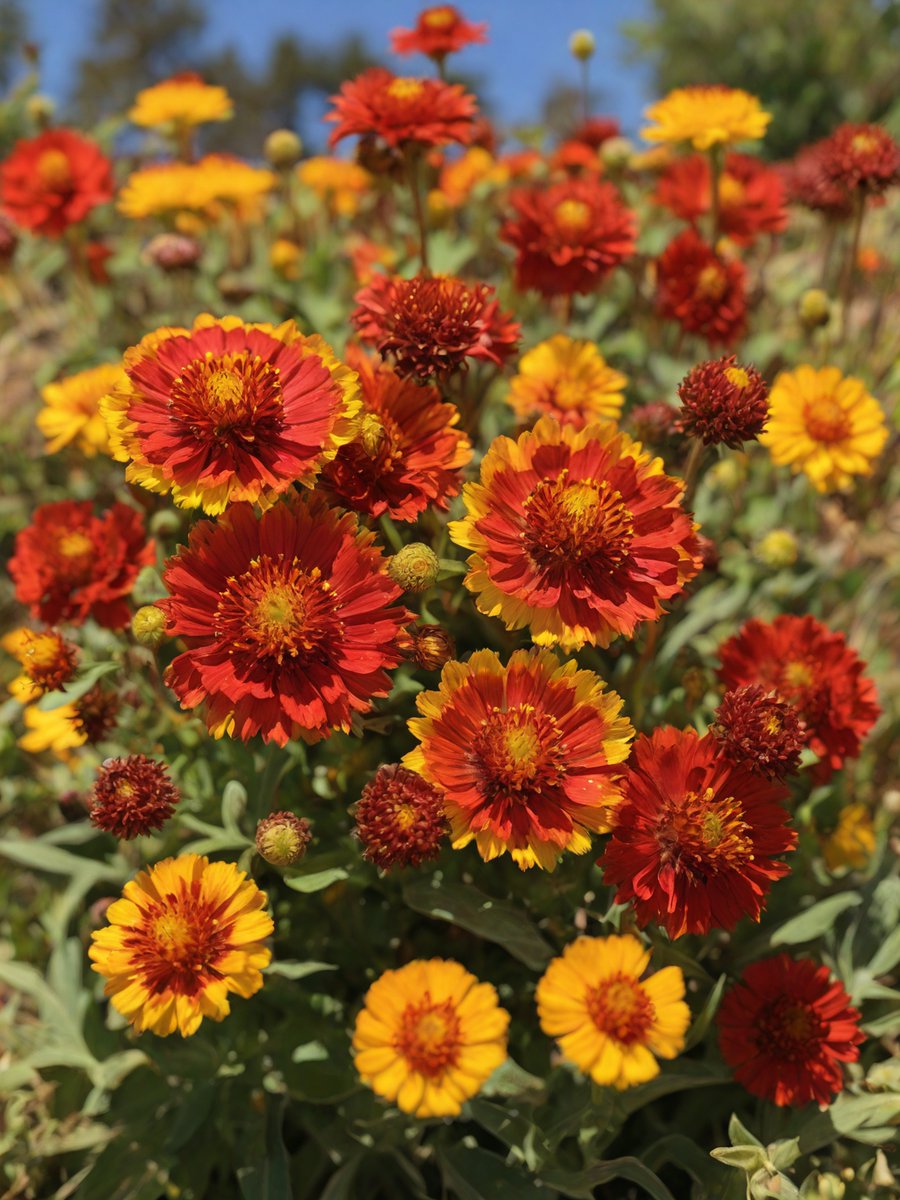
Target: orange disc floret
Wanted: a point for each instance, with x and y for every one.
(69, 565)
(569, 380)
(185, 935)
(289, 620)
(527, 755)
(182, 101)
(228, 411)
(438, 31)
(811, 667)
(568, 236)
(751, 195)
(785, 1028)
(400, 819)
(577, 534)
(706, 115)
(696, 839)
(703, 292)
(53, 181)
(861, 157)
(402, 111)
(407, 453)
(432, 326)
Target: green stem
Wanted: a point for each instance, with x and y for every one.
(275, 764)
(850, 263)
(715, 179)
(419, 210)
(691, 472)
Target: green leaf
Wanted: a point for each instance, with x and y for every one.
(886, 956)
(867, 1119)
(581, 1184)
(744, 1158)
(475, 1174)
(297, 970)
(739, 1134)
(697, 1031)
(499, 921)
(79, 686)
(511, 1080)
(317, 881)
(685, 1077)
(270, 1179)
(234, 802)
(814, 921)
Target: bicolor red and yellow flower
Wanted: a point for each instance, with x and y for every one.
(402, 111)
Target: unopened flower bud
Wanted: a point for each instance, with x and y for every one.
(283, 148)
(235, 288)
(582, 44)
(431, 646)
(149, 626)
(777, 549)
(616, 152)
(815, 308)
(415, 568)
(830, 1187)
(282, 839)
(695, 682)
(173, 251)
(40, 109)
(728, 474)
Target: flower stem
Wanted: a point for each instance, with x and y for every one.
(849, 279)
(585, 88)
(715, 178)
(419, 209)
(691, 472)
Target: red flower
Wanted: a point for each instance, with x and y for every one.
(54, 180)
(69, 565)
(132, 796)
(751, 194)
(400, 110)
(758, 729)
(289, 621)
(431, 326)
(695, 841)
(439, 31)
(805, 663)
(862, 157)
(594, 131)
(575, 158)
(407, 453)
(807, 184)
(723, 403)
(785, 1028)
(704, 293)
(95, 255)
(400, 819)
(569, 236)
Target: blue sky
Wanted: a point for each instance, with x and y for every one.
(527, 53)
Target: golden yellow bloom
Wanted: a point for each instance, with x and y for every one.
(159, 191)
(706, 116)
(337, 183)
(429, 1036)
(852, 842)
(58, 730)
(47, 659)
(182, 101)
(459, 176)
(824, 424)
(286, 258)
(186, 933)
(72, 409)
(168, 189)
(608, 1021)
(569, 380)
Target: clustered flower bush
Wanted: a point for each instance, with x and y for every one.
(453, 703)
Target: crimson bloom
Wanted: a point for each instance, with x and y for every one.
(723, 403)
(132, 796)
(439, 31)
(808, 184)
(569, 236)
(757, 728)
(695, 842)
(811, 667)
(54, 180)
(69, 565)
(289, 620)
(703, 292)
(751, 194)
(785, 1028)
(400, 819)
(861, 157)
(400, 111)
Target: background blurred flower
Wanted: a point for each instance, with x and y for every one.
(751, 194)
(439, 31)
(402, 111)
(47, 659)
(71, 411)
(702, 291)
(566, 379)
(706, 116)
(182, 101)
(54, 180)
(338, 184)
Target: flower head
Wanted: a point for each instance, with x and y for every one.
(47, 660)
(400, 819)
(337, 183)
(785, 1028)
(54, 180)
(527, 755)
(723, 403)
(569, 380)
(69, 565)
(706, 116)
(429, 646)
(132, 796)
(751, 194)
(577, 534)
(696, 839)
(569, 236)
(86, 721)
(289, 621)
(71, 412)
(429, 1036)
(700, 290)
(761, 730)
(403, 111)
(181, 102)
(282, 839)
(808, 184)
(415, 567)
(824, 424)
(228, 411)
(439, 30)
(608, 1020)
(433, 326)
(186, 933)
(851, 843)
(860, 157)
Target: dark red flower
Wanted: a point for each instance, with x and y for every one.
(723, 403)
(568, 236)
(695, 842)
(400, 819)
(785, 1028)
(759, 729)
(594, 131)
(95, 713)
(132, 796)
(863, 157)
(401, 111)
(655, 422)
(54, 180)
(439, 31)
(807, 184)
(432, 326)
(751, 194)
(69, 565)
(700, 290)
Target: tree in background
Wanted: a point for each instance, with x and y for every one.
(814, 63)
(13, 32)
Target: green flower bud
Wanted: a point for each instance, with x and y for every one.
(149, 626)
(815, 308)
(777, 549)
(282, 839)
(582, 44)
(283, 148)
(415, 568)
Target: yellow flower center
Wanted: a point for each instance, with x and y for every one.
(172, 933)
(737, 377)
(711, 282)
(864, 143)
(731, 191)
(518, 751)
(621, 1009)
(572, 216)
(405, 89)
(704, 834)
(404, 816)
(429, 1036)
(438, 18)
(74, 545)
(798, 674)
(279, 611)
(372, 434)
(54, 169)
(581, 521)
(224, 390)
(825, 420)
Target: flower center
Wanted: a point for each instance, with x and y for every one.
(798, 674)
(518, 750)
(825, 420)
(438, 18)
(234, 399)
(711, 282)
(621, 1009)
(429, 1036)
(703, 835)
(54, 169)
(405, 89)
(74, 545)
(178, 941)
(731, 191)
(372, 434)
(789, 1029)
(863, 143)
(584, 520)
(737, 377)
(572, 216)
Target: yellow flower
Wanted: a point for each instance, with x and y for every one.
(460, 175)
(852, 841)
(337, 183)
(59, 730)
(569, 380)
(824, 424)
(182, 101)
(185, 934)
(72, 409)
(706, 116)
(286, 257)
(223, 180)
(608, 1021)
(47, 659)
(429, 1036)
(159, 191)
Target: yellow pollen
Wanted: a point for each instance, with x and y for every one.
(224, 389)
(438, 18)
(572, 216)
(74, 545)
(863, 142)
(54, 169)
(171, 933)
(523, 744)
(710, 282)
(580, 500)
(712, 825)
(773, 724)
(371, 434)
(737, 377)
(405, 89)
(731, 191)
(798, 674)
(404, 816)
(279, 611)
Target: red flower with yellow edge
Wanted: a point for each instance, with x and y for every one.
(54, 180)
(432, 326)
(577, 534)
(407, 454)
(527, 755)
(811, 667)
(69, 565)
(47, 660)
(703, 292)
(569, 236)
(402, 111)
(289, 621)
(227, 411)
(439, 31)
(185, 935)
(785, 1028)
(751, 195)
(696, 839)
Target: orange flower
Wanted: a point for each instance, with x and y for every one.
(53, 181)
(439, 31)
(401, 110)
